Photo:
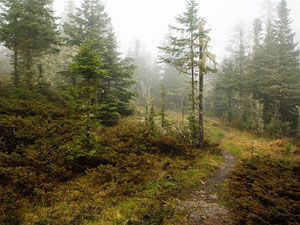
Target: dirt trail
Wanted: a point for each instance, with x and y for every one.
(202, 207)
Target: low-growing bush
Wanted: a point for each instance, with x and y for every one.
(42, 151)
(265, 190)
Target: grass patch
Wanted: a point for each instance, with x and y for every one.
(155, 202)
(216, 134)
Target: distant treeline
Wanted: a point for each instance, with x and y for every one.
(258, 86)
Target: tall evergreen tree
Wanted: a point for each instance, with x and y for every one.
(203, 68)
(270, 81)
(28, 28)
(10, 32)
(182, 49)
(189, 51)
(177, 85)
(256, 61)
(287, 65)
(91, 23)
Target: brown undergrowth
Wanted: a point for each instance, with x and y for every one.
(126, 176)
(264, 186)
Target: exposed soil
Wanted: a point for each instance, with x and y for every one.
(202, 207)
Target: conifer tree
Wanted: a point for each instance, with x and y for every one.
(203, 68)
(189, 55)
(87, 64)
(177, 85)
(28, 28)
(10, 32)
(270, 77)
(91, 22)
(287, 65)
(256, 61)
(183, 51)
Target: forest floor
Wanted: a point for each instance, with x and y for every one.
(207, 203)
(133, 178)
(204, 206)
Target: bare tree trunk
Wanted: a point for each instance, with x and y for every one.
(163, 105)
(16, 77)
(88, 113)
(29, 68)
(201, 80)
(229, 106)
(146, 113)
(182, 112)
(192, 116)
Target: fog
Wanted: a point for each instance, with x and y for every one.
(148, 20)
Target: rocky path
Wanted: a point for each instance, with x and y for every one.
(202, 208)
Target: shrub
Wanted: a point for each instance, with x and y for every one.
(43, 151)
(265, 190)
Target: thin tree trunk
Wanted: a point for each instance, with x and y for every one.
(192, 120)
(163, 106)
(88, 113)
(16, 69)
(229, 106)
(146, 113)
(182, 119)
(201, 80)
(29, 68)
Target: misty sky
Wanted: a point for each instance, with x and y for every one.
(148, 20)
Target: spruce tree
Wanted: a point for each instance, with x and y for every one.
(10, 32)
(225, 88)
(28, 28)
(87, 64)
(205, 57)
(287, 65)
(189, 55)
(182, 49)
(269, 80)
(90, 22)
(256, 62)
(116, 85)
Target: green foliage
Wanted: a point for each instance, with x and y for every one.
(87, 62)
(265, 190)
(188, 53)
(268, 75)
(91, 24)
(28, 28)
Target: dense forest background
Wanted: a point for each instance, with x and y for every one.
(77, 114)
(256, 86)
